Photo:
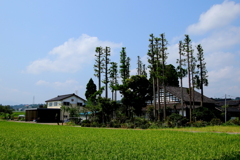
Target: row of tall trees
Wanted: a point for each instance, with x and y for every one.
(194, 67)
(138, 89)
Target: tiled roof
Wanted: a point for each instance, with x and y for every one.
(62, 97)
(176, 91)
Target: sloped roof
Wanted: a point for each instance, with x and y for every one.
(228, 102)
(176, 91)
(62, 97)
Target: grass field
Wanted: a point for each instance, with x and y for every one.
(225, 129)
(37, 141)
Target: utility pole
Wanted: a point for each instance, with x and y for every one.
(225, 109)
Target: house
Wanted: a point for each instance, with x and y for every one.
(173, 99)
(233, 107)
(53, 111)
(70, 100)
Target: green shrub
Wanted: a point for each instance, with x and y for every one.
(215, 121)
(70, 123)
(235, 121)
(176, 120)
(155, 125)
(199, 124)
(85, 123)
(95, 124)
(141, 123)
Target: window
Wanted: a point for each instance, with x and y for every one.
(79, 104)
(50, 104)
(55, 103)
(66, 103)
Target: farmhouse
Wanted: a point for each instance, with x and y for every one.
(69, 100)
(53, 111)
(173, 99)
(233, 107)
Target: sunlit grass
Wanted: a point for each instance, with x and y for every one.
(224, 129)
(37, 141)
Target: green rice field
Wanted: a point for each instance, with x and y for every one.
(38, 141)
(225, 129)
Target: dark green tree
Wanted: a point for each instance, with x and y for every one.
(171, 76)
(90, 90)
(136, 92)
(202, 76)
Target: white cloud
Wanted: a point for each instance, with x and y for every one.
(218, 60)
(70, 56)
(218, 15)
(223, 39)
(72, 84)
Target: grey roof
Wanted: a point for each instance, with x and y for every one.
(62, 97)
(228, 102)
(176, 91)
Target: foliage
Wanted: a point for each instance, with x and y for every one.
(135, 93)
(177, 120)
(98, 66)
(106, 61)
(203, 113)
(198, 124)
(235, 121)
(171, 76)
(113, 78)
(124, 65)
(215, 121)
(6, 111)
(90, 90)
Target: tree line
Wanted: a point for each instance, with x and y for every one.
(144, 87)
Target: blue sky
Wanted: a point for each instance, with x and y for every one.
(47, 47)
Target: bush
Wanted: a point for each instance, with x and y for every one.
(141, 123)
(70, 123)
(114, 124)
(155, 125)
(95, 124)
(235, 121)
(85, 123)
(175, 120)
(197, 124)
(215, 121)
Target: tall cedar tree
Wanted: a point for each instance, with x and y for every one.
(163, 49)
(193, 76)
(106, 61)
(202, 78)
(124, 65)
(113, 76)
(181, 71)
(141, 70)
(98, 66)
(152, 67)
(90, 90)
(158, 72)
(187, 50)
